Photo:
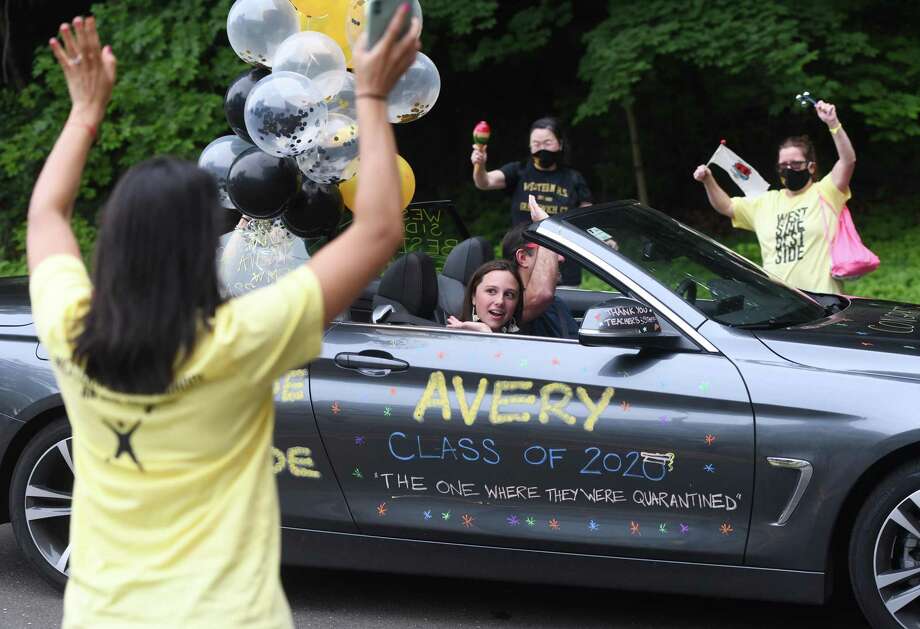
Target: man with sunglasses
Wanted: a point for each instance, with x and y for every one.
(544, 314)
(795, 225)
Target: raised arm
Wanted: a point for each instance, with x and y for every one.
(90, 73)
(482, 178)
(347, 264)
(718, 199)
(541, 287)
(843, 169)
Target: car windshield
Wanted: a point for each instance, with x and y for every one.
(717, 281)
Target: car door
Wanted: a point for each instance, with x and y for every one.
(309, 493)
(532, 442)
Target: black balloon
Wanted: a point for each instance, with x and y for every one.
(235, 99)
(260, 184)
(315, 211)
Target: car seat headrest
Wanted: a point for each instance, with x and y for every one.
(412, 282)
(466, 257)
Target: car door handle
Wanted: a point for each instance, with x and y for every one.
(377, 364)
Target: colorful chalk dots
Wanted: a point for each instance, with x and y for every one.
(726, 528)
(710, 439)
(593, 526)
(512, 520)
(554, 524)
(382, 509)
(467, 520)
(634, 528)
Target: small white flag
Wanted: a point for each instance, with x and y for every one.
(742, 173)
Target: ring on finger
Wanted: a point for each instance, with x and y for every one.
(76, 60)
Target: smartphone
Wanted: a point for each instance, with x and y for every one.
(378, 14)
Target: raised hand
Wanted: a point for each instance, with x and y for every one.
(88, 68)
(702, 172)
(827, 113)
(537, 213)
(479, 155)
(378, 69)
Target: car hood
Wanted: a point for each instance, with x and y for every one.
(872, 336)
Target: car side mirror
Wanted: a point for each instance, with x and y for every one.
(625, 322)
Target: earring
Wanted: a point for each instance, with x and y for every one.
(475, 316)
(513, 326)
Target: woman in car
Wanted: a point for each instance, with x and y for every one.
(493, 301)
(168, 388)
(795, 225)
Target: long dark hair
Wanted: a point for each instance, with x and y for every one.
(476, 280)
(155, 283)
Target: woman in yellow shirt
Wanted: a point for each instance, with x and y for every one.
(167, 387)
(795, 225)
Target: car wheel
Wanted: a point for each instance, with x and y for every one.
(884, 552)
(40, 501)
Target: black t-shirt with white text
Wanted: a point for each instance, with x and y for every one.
(557, 191)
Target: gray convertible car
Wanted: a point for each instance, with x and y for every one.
(711, 431)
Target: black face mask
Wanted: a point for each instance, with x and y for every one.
(547, 159)
(795, 180)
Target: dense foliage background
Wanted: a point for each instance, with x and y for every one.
(649, 89)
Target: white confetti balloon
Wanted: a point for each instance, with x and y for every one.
(416, 91)
(333, 150)
(284, 114)
(216, 159)
(344, 102)
(315, 56)
(258, 255)
(256, 28)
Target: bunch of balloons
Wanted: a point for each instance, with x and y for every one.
(291, 163)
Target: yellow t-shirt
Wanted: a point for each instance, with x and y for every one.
(175, 519)
(791, 232)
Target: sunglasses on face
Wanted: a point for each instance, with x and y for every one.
(796, 165)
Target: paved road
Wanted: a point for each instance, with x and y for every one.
(351, 600)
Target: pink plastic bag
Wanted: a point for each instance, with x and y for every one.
(850, 258)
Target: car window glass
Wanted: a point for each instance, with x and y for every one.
(721, 284)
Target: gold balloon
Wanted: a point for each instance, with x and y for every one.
(331, 22)
(406, 180)
(349, 187)
(313, 7)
